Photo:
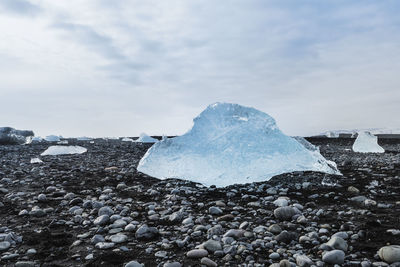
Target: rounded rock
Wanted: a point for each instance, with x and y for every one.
(285, 213)
(197, 253)
(333, 257)
(134, 264)
(208, 262)
(390, 254)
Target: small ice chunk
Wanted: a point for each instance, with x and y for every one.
(84, 138)
(367, 143)
(63, 150)
(52, 138)
(127, 139)
(144, 138)
(36, 160)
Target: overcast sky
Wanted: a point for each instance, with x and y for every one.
(119, 68)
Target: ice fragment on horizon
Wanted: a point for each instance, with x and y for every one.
(144, 138)
(84, 138)
(367, 143)
(126, 139)
(11, 136)
(63, 150)
(52, 138)
(231, 144)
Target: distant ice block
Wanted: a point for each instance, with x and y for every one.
(367, 143)
(11, 136)
(231, 144)
(37, 139)
(127, 139)
(84, 138)
(63, 150)
(52, 138)
(332, 134)
(144, 138)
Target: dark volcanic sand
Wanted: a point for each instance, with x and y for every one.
(53, 234)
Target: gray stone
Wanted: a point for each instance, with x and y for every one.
(275, 229)
(24, 264)
(96, 239)
(101, 220)
(197, 253)
(105, 211)
(284, 263)
(286, 237)
(234, 233)
(5, 245)
(37, 212)
(215, 211)
(337, 242)
(333, 257)
(42, 197)
(303, 261)
(274, 256)
(118, 238)
(161, 254)
(208, 262)
(212, 245)
(134, 264)
(390, 254)
(172, 264)
(285, 213)
(104, 245)
(145, 232)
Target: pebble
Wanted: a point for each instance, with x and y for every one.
(390, 254)
(215, 211)
(134, 264)
(333, 257)
(118, 238)
(197, 253)
(304, 261)
(285, 237)
(105, 211)
(274, 256)
(101, 220)
(208, 262)
(172, 264)
(104, 245)
(5, 245)
(285, 213)
(24, 264)
(275, 229)
(212, 245)
(337, 242)
(145, 232)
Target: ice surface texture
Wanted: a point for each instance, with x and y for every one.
(231, 144)
(367, 143)
(63, 150)
(144, 138)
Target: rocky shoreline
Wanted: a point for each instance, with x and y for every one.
(95, 209)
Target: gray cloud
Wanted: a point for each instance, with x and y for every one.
(153, 66)
(20, 7)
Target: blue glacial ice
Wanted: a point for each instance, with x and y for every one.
(367, 143)
(231, 144)
(144, 138)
